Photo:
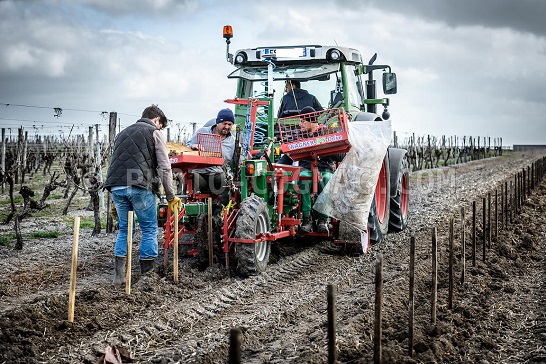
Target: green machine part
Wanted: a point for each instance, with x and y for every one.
(255, 177)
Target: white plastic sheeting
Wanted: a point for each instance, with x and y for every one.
(349, 193)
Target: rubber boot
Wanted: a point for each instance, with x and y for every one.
(322, 225)
(306, 224)
(119, 270)
(146, 265)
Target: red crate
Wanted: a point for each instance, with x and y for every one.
(210, 145)
(329, 138)
(209, 154)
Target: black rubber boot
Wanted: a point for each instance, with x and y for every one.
(322, 225)
(119, 270)
(306, 224)
(146, 265)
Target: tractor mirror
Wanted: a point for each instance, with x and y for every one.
(389, 83)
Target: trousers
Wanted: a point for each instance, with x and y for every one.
(143, 203)
(306, 187)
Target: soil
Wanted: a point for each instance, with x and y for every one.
(497, 315)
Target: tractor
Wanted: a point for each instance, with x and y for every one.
(265, 201)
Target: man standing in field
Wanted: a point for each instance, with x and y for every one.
(139, 162)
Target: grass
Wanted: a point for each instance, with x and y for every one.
(6, 239)
(17, 198)
(89, 223)
(45, 234)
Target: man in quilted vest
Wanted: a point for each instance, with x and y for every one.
(139, 163)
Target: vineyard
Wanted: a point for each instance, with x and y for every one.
(78, 164)
(496, 315)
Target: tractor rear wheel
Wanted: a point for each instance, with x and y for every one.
(399, 200)
(378, 219)
(253, 220)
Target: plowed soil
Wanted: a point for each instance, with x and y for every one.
(497, 314)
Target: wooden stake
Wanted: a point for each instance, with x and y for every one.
(411, 296)
(175, 258)
(528, 181)
(331, 298)
(484, 226)
(511, 205)
(496, 216)
(434, 295)
(523, 185)
(505, 213)
(473, 233)
(377, 351)
(3, 158)
(501, 213)
(451, 258)
(489, 220)
(74, 267)
(235, 346)
(129, 252)
(463, 247)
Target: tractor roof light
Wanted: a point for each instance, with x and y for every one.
(228, 32)
(240, 58)
(334, 55)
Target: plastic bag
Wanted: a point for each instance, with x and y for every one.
(349, 193)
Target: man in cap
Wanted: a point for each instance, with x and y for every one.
(214, 177)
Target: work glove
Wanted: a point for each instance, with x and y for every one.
(175, 202)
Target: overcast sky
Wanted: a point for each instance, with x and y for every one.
(464, 68)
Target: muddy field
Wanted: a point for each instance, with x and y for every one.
(498, 313)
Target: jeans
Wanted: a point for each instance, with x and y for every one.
(306, 187)
(143, 203)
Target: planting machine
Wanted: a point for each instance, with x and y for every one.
(265, 203)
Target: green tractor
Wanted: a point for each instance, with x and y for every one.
(265, 200)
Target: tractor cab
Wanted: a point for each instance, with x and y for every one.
(334, 75)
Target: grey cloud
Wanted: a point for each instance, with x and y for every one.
(140, 7)
(521, 15)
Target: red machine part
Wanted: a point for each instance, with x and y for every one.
(381, 193)
(331, 136)
(209, 153)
